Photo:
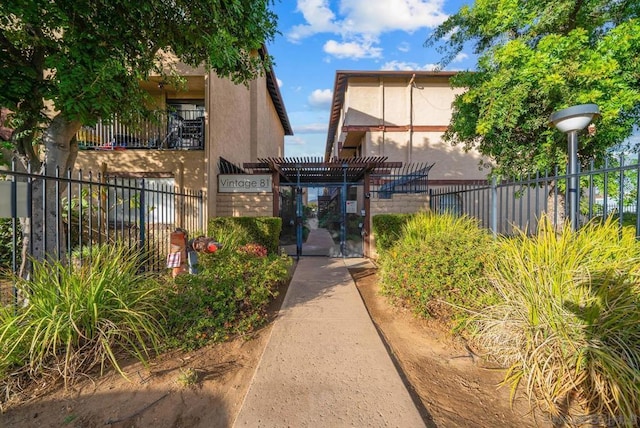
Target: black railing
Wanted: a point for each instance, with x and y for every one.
(411, 178)
(90, 210)
(165, 130)
(508, 205)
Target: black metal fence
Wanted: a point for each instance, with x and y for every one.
(411, 178)
(89, 210)
(509, 205)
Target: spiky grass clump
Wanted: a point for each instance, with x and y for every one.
(568, 324)
(81, 316)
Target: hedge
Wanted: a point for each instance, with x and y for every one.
(257, 230)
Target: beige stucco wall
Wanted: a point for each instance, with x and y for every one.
(187, 167)
(241, 125)
(393, 102)
(245, 204)
(268, 128)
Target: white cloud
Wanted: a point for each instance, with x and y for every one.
(353, 50)
(359, 23)
(407, 66)
(460, 57)
(311, 128)
(320, 98)
(319, 17)
(279, 82)
(295, 141)
(404, 47)
(376, 17)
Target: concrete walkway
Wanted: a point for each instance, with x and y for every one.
(324, 364)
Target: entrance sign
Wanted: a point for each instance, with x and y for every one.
(352, 207)
(244, 183)
(21, 199)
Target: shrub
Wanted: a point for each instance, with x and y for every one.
(81, 316)
(6, 243)
(229, 296)
(568, 322)
(437, 266)
(387, 229)
(236, 231)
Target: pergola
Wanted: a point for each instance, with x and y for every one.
(307, 172)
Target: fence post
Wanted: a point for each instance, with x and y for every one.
(494, 207)
(638, 198)
(141, 223)
(201, 213)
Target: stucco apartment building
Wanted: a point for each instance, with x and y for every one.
(400, 115)
(205, 126)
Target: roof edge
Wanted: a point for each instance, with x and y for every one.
(276, 95)
(343, 76)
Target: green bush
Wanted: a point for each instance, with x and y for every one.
(236, 231)
(228, 296)
(6, 243)
(568, 322)
(80, 316)
(437, 266)
(387, 229)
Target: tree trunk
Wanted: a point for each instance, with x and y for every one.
(61, 151)
(556, 211)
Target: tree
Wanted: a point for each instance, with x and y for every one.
(534, 58)
(86, 58)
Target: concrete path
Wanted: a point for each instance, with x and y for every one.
(324, 364)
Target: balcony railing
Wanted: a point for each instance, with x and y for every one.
(169, 130)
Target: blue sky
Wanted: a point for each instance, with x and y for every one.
(319, 37)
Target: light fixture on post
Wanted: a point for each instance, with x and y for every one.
(570, 121)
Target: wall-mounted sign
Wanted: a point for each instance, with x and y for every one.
(244, 183)
(5, 197)
(352, 207)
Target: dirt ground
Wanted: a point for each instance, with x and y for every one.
(205, 388)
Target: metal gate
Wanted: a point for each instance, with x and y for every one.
(341, 224)
(322, 220)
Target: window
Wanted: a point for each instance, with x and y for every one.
(125, 200)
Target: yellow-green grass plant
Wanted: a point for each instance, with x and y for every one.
(568, 323)
(82, 316)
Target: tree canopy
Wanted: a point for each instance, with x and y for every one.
(537, 57)
(86, 57)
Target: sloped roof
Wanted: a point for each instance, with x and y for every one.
(276, 96)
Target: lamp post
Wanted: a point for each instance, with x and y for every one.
(570, 121)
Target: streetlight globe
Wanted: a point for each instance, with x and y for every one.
(574, 118)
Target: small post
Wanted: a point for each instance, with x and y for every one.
(494, 207)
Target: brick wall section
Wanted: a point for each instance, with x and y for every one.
(245, 205)
(400, 204)
(397, 204)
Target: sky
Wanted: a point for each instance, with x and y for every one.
(319, 37)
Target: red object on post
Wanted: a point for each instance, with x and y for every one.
(212, 247)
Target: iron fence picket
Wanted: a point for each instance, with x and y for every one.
(540, 193)
(142, 220)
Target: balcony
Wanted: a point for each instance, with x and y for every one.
(168, 130)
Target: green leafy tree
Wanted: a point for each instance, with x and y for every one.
(536, 57)
(64, 64)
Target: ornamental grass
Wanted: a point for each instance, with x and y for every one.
(568, 323)
(80, 316)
